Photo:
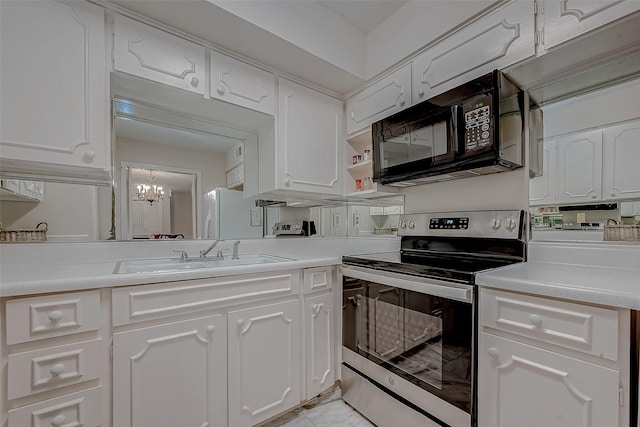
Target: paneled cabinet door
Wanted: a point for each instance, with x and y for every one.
(53, 94)
(319, 319)
(493, 42)
(543, 190)
(156, 55)
(310, 138)
(382, 99)
(564, 20)
(621, 171)
(264, 362)
(242, 84)
(525, 386)
(171, 375)
(580, 168)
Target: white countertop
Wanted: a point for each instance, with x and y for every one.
(35, 268)
(602, 273)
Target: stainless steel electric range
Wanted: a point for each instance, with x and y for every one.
(409, 317)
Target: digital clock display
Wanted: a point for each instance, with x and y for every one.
(449, 223)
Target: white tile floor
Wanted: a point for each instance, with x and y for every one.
(330, 413)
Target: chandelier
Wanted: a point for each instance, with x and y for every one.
(150, 192)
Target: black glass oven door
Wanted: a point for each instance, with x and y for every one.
(425, 339)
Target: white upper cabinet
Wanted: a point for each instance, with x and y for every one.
(242, 84)
(383, 98)
(309, 140)
(543, 190)
(564, 20)
(157, 55)
(580, 167)
(493, 42)
(53, 90)
(621, 174)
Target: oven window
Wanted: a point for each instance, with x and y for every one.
(425, 339)
(409, 340)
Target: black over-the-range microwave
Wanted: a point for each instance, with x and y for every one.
(477, 128)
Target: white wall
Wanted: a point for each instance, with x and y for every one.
(506, 190)
(69, 210)
(210, 164)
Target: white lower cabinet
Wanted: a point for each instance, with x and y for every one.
(526, 386)
(319, 324)
(264, 362)
(552, 363)
(171, 375)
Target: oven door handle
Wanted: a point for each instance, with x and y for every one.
(431, 287)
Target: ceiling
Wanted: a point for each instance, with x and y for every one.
(364, 15)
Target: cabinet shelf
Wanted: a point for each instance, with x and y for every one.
(362, 166)
(375, 192)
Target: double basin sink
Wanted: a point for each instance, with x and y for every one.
(164, 265)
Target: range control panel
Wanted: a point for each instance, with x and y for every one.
(478, 129)
(495, 224)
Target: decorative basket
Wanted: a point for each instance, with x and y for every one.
(619, 232)
(38, 234)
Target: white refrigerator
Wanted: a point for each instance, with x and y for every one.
(228, 215)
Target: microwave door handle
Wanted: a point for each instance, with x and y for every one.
(456, 131)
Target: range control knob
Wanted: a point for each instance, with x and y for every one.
(412, 225)
(495, 223)
(403, 224)
(511, 224)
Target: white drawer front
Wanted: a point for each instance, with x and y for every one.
(588, 329)
(53, 367)
(83, 409)
(317, 279)
(30, 319)
(135, 304)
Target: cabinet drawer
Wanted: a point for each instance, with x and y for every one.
(53, 367)
(592, 330)
(317, 279)
(30, 319)
(138, 303)
(77, 409)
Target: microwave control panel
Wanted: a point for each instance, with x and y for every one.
(478, 126)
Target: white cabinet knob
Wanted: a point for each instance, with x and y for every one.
(593, 196)
(420, 93)
(56, 369)
(89, 156)
(402, 102)
(58, 420)
(287, 181)
(195, 81)
(55, 316)
(391, 381)
(240, 323)
(613, 194)
(353, 115)
(493, 352)
(535, 320)
(220, 90)
(211, 329)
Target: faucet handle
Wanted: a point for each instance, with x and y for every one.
(183, 255)
(235, 249)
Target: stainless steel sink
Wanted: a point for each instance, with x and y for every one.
(159, 265)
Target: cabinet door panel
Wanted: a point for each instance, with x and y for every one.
(621, 175)
(153, 54)
(564, 20)
(580, 167)
(242, 84)
(319, 318)
(171, 375)
(52, 89)
(493, 42)
(310, 138)
(264, 362)
(383, 98)
(525, 386)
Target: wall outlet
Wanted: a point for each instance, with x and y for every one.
(256, 217)
(356, 220)
(581, 217)
(336, 219)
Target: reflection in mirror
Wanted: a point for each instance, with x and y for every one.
(161, 201)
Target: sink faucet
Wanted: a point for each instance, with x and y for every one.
(235, 249)
(183, 255)
(203, 254)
